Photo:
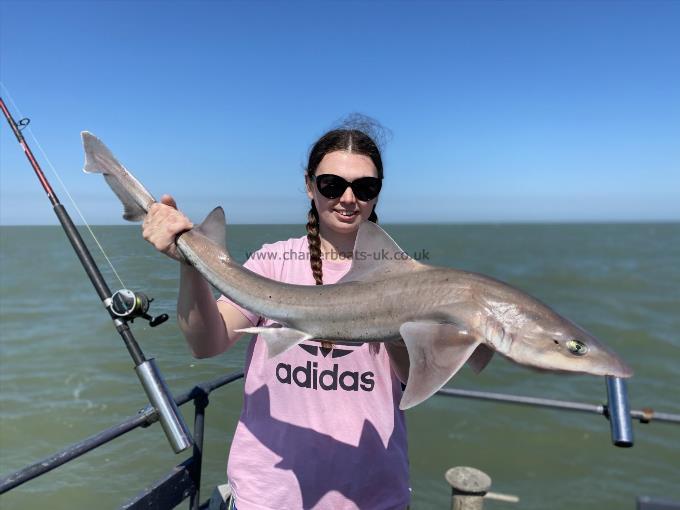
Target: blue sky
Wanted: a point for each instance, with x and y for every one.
(499, 111)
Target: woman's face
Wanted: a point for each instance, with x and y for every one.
(343, 215)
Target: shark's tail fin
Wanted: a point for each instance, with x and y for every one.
(99, 159)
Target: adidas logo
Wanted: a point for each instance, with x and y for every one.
(335, 351)
(308, 376)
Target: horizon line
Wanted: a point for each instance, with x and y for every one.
(442, 223)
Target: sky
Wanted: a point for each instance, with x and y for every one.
(542, 111)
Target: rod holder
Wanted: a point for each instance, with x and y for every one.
(618, 412)
(160, 397)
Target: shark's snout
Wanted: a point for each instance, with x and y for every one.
(608, 362)
(621, 369)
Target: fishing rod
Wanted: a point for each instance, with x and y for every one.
(123, 306)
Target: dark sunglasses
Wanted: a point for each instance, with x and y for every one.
(333, 186)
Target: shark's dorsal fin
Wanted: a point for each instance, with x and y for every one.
(214, 227)
(376, 255)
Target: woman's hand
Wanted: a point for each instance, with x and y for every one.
(162, 224)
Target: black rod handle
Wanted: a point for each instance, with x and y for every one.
(84, 255)
(95, 276)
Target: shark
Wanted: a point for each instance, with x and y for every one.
(446, 317)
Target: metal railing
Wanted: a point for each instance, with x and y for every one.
(184, 480)
(645, 415)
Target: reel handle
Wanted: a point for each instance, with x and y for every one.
(158, 320)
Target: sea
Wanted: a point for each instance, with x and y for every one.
(65, 373)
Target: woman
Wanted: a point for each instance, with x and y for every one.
(320, 425)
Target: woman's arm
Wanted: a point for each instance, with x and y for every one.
(209, 327)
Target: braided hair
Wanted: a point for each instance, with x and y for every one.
(354, 141)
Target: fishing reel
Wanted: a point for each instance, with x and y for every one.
(128, 305)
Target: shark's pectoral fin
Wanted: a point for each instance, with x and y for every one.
(480, 358)
(278, 339)
(436, 352)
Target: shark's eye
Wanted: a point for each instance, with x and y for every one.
(577, 347)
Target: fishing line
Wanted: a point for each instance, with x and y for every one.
(123, 307)
(63, 186)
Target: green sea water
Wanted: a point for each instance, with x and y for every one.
(65, 374)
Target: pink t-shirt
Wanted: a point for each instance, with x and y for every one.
(319, 429)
